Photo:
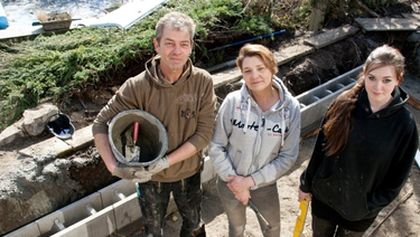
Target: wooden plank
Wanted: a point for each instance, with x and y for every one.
(283, 56)
(404, 195)
(412, 15)
(388, 24)
(53, 146)
(230, 75)
(57, 147)
(81, 138)
(290, 53)
(331, 36)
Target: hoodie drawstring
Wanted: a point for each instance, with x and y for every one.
(282, 125)
(248, 112)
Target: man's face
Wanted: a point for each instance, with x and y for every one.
(174, 48)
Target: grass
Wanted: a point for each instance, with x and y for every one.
(58, 66)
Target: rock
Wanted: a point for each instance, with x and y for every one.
(10, 134)
(34, 120)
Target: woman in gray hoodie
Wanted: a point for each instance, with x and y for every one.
(256, 141)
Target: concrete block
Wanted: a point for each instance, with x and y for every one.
(127, 211)
(101, 224)
(30, 230)
(109, 193)
(70, 214)
(315, 102)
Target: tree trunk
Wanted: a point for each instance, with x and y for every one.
(316, 19)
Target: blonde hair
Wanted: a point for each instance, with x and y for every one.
(250, 50)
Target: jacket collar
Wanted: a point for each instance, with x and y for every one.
(399, 98)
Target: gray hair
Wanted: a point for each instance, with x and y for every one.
(175, 20)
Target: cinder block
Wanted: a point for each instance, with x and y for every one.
(316, 101)
(109, 193)
(30, 230)
(101, 224)
(70, 214)
(127, 211)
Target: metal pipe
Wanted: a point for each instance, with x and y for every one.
(258, 37)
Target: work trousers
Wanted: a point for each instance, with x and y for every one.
(154, 199)
(267, 203)
(326, 228)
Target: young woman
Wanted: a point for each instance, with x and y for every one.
(364, 150)
(256, 141)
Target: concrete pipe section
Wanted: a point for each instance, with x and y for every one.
(149, 140)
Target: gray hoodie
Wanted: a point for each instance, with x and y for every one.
(249, 142)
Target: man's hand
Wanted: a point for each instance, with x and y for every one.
(142, 176)
(123, 172)
(159, 165)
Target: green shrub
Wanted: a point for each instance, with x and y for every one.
(59, 66)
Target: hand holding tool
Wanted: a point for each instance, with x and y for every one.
(255, 208)
(300, 220)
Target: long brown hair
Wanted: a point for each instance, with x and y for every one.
(337, 124)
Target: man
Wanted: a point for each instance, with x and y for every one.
(182, 97)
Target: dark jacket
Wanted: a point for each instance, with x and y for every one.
(373, 166)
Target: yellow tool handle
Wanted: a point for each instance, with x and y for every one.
(300, 220)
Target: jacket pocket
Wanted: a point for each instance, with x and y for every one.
(344, 195)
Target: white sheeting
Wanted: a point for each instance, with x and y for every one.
(125, 16)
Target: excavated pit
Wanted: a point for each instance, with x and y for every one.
(34, 187)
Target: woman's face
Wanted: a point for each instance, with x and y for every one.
(256, 74)
(379, 84)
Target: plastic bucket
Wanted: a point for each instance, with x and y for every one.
(61, 126)
(3, 19)
(152, 139)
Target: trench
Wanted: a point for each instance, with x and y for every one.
(37, 191)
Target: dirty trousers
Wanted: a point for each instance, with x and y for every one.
(325, 228)
(266, 199)
(154, 199)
